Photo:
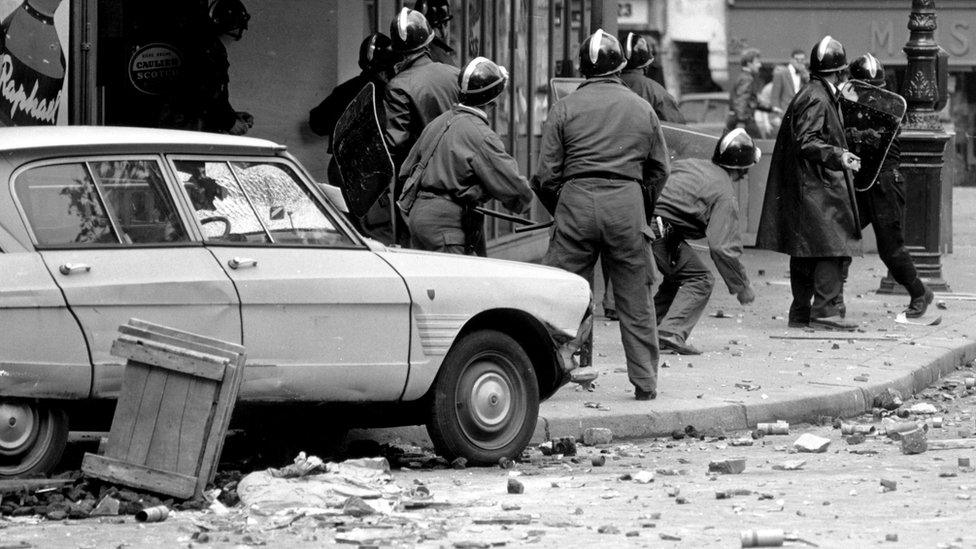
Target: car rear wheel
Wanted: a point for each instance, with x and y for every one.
(486, 399)
(33, 436)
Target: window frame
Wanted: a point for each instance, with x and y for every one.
(84, 161)
(300, 177)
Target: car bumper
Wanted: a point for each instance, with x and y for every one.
(568, 347)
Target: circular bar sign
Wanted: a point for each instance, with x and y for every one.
(155, 68)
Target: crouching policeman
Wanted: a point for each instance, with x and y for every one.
(603, 153)
(457, 164)
(699, 202)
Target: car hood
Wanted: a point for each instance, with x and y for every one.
(446, 286)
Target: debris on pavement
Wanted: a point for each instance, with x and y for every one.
(923, 408)
(889, 399)
(727, 466)
(776, 428)
(515, 486)
(888, 485)
(855, 428)
(158, 513)
(914, 442)
(811, 443)
(596, 436)
(790, 465)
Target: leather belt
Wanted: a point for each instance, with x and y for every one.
(601, 175)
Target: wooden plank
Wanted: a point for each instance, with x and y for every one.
(176, 341)
(226, 399)
(839, 336)
(200, 401)
(138, 476)
(152, 399)
(14, 485)
(186, 336)
(126, 409)
(952, 444)
(170, 357)
(164, 448)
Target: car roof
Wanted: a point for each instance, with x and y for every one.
(69, 137)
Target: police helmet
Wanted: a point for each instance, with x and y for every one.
(437, 12)
(410, 31)
(867, 68)
(229, 17)
(736, 150)
(637, 51)
(828, 56)
(600, 55)
(481, 82)
(375, 53)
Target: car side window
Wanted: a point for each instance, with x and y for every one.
(94, 203)
(291, 214)
(224, 213)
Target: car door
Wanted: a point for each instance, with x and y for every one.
(109, 232)
(324, 318)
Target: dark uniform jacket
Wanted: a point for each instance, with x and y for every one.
(663, 102)
(323, 118)
(744, 99)
(468, 163)
(440, 52)
(419, 93)
(809, 208)
(699, 202)
(602, 129)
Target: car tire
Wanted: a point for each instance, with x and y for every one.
(486, 400)
(33, 436)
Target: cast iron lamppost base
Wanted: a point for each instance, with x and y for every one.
(923, 142)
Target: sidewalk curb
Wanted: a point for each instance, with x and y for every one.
(846, 402)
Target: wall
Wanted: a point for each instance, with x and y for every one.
(701, 21)
(290, 58)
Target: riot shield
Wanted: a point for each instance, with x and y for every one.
(684, 142)
(360, 153)
(872, 117)
(560, 87)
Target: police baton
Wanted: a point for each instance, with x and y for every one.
(524, 224)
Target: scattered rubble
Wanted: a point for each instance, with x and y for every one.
(811, 443)
(728, 466)
(596, 436)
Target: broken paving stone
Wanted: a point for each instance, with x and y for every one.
(856, 438)
(565, 446)
(791, 465)
(511, 507)
(948, 474)
(669, 537)
(505, 463)
(608, 529)
(515, 487)
(107, 507)
(964, 497)
(643, 477)
(888, 485)
(459, 463)
(889, 399)
(891, 537)
(597, 406)
(728, 466)
(964, 463)
(354, 506)
(595, 436)
(914, 442)
(923, 408)
(811, 443)
(680, 500)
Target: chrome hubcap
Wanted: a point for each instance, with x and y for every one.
(17, 427)
(491, 399)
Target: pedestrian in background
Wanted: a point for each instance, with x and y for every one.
(744, 96)
(602, 152)
(788, 79)
(809, 211)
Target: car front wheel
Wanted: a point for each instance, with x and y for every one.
(32, 437)
(486, 399)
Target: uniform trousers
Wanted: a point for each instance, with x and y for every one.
(883, 206)
(598, 217)
(439, 224)
(685, 289)
(820, 279)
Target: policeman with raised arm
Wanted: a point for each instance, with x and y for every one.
(602, 153)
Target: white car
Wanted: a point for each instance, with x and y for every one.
(229, 237)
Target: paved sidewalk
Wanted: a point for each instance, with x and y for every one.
(747, 374)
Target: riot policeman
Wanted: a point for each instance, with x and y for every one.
(699, 202)
(421, 91)
(459, 163)
(809, 211)
(438, 14)
(639, 57)
(602, 152)
(883, 206)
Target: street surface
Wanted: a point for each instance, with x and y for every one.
(835, 499)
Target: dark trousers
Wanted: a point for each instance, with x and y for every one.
(685, 288)
(883, 206)
(603, 218)
(820, 279)
(438, 224)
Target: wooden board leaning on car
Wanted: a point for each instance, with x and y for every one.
(178, 393)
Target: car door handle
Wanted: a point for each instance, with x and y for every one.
(242, 263)
(74, 268)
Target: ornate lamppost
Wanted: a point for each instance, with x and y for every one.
(923, 142)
